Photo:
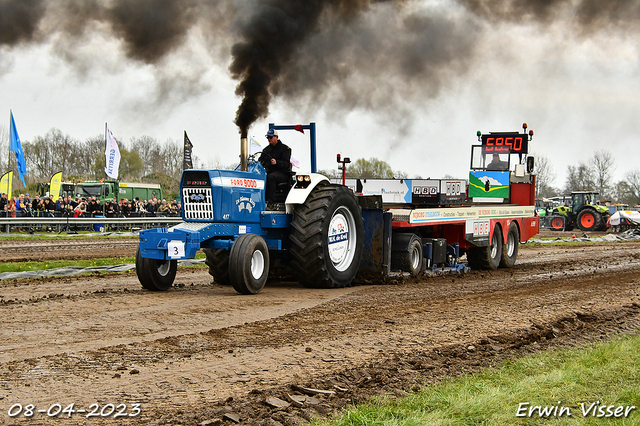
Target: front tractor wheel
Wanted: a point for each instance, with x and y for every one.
(327, 237)
(589, 220)
(154, 274)
(488, 257)
(249, 264)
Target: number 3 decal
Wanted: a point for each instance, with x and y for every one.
(175, 249)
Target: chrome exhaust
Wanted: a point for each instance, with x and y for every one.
(244, 153)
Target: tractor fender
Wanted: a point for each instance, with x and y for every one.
(601, 209)
(298, 195)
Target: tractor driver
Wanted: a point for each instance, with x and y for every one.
(276, 159)
(497, 164)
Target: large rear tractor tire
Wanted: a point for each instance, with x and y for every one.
(605, 222)
(327, 237)
(589, 220)
(488, 257)
(218, 262)
(510, 248)
(154, 274)
(249, 264)
(406, 254)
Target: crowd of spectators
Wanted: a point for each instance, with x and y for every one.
(24, 206)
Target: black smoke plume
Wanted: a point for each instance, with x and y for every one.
(272, 39)
(19, 20)
(381, 56)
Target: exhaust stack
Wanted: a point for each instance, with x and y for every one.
(244, 152)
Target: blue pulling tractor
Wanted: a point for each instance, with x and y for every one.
(317, 230)
(325, 233)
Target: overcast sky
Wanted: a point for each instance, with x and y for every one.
(407, 82)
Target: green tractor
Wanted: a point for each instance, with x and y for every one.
(584, 213)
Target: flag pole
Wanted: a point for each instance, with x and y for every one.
(9, 151)
(106, 147)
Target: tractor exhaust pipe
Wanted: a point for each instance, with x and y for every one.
(244, 152)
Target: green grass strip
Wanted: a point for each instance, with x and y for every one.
(583, 386)
(53, 264)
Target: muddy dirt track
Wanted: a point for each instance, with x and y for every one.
(201, 354)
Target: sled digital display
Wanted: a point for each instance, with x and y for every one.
(505, 143)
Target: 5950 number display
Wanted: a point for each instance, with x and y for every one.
(505, 143)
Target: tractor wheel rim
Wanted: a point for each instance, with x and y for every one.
(587, 220)
(342, 239)
(415, 258)
(494, 248)
(511, 245)
(257, 264)
(163, 267)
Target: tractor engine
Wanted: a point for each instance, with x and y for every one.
(223, 195)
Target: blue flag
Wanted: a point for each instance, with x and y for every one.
(16, 147)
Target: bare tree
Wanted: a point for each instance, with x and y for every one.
(149, 151)
(332, 173)
(628, 190)
(4, 149)
(172, 156)
(212, 164)
(90, 161)
(50, 154)
(37, 158)
(580, 178)
(399, 174)
(545, 176)
(131, 167)
(603, 168)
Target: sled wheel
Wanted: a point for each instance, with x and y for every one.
(557, 223)
(249, 264)
(589, 220)
(407, 255)
(473, 258)
(487, 257)
(327, 237)
(510, 248)
(154, 274)
(218, 262)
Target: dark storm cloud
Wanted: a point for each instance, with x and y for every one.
(338, 54)
(270, 38)
(381, 61)
(151, 28)
(591, 15)
(19, 20)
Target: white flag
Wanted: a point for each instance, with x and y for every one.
(255, 146)
(112, 155)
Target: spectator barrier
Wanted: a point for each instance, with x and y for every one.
(70, 224)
